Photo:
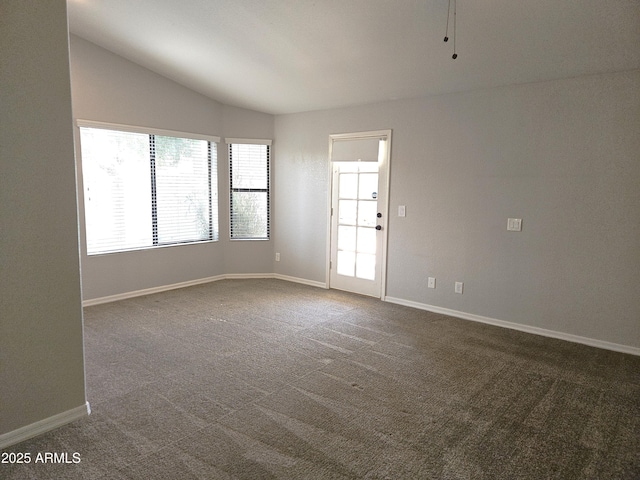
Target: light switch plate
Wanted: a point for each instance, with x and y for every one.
(402, 211)
(514, 224)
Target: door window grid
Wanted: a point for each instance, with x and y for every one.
(357, 208)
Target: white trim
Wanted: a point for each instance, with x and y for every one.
(385, 213)
(149, 291)
(42, 426)
(303, 281)
(616, 347)
(328, 253)
(408, 303)
(147, 130)
(174, 286)
(248, 141)
(245, 276)
(359, 135)
(386, 161)
(276, 276)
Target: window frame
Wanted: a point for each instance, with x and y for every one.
(247, 141)
(212, 176)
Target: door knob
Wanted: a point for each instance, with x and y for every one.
(378, 227)
(379, 215)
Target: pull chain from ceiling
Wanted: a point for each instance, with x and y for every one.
(446, 35)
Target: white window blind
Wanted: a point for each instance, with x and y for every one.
(249, 191)
(183, 189)
(143, 190)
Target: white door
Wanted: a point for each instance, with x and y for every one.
(358, 224)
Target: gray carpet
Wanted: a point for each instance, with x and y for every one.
(264, 379)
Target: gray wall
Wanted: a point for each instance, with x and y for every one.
(109, 88)
(564, 156)
(41, 356)
(240, 256)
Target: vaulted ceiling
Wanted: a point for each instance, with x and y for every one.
(284, 56)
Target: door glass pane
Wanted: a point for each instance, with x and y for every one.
(368, 188)
(346, 238)
(366, 240)
(367, 212)
(366, 266)
(357, 217)
(348, 185)
(347, 212)
(346, 263)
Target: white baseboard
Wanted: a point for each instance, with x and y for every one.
(422, 306)
(150, 291)
(42, 426)
(243, 276)
(190, 283)
(616, 347)
(304, 281)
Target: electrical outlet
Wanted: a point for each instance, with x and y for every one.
(402, 211)
(431, 282)
(458, 287)
(277, 257)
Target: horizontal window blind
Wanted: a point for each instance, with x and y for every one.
(143, 190)
(116, 174)
(249, 191)
(183, 181)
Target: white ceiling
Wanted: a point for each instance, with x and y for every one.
(284, 56)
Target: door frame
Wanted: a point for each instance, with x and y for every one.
(384, 208)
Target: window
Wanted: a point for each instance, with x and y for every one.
(249, 189)
(145, 189)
